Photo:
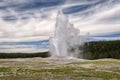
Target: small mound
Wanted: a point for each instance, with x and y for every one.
(63, 59)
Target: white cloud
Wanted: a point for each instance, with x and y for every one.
(21, 48)
(98, 22)
(38, 24)
(24, 39)
(29, 27)
(25, 50)
(12, 2)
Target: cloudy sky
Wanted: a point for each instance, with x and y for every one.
(26, 25)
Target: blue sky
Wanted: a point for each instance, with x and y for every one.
(26, 25)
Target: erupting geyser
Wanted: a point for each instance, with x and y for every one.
(64, 38)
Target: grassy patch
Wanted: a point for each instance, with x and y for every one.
(5, 69)
(69, 71)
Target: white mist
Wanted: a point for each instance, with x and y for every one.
(65, 37)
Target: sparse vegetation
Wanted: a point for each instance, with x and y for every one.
(42, 69)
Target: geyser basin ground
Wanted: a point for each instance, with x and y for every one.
(59, 68)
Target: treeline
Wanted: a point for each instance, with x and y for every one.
(90, 50)
(101, 49)
(24, 55)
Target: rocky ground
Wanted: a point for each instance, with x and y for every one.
(59, 68)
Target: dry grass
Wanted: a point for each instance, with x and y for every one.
(59, 68)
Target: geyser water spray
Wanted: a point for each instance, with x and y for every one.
(66, 39)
